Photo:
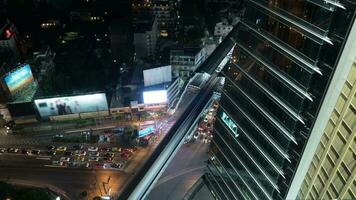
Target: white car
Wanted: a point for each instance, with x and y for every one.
(80, 153)
(57, 163)
(91, 159)
(94, 154)
(106, 166)
(196, 136)
(64, 159)
(93, 149)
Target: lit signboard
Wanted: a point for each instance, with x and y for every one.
(71, 105)
(159, 96)
(145, 132)
(19, 79)
(229, 123)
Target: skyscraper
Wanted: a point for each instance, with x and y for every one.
(332, 173)
(278, 95)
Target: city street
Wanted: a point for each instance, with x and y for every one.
(33, 170)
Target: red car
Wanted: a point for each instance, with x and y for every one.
(99, 165)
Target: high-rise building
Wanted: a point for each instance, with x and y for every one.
(332, 172)
(289, 58)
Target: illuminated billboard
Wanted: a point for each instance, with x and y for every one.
(20, 83)
(159, 96)
(71, 105)
(145, 132)
(230, 123)
(157, 75)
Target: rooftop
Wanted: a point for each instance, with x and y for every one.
(189, 51)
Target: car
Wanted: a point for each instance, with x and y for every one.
(68, 153)
(80, 158)
(57, 163)
(117, 165)
(85, 133)
(25, 151)
(51, 153)
(107, 159)
(116, 149)
(10, 124)
(196, 136)
(94, 154)
(73, 164)
(131, 150)
(12, 150)
(124, 155)
(64, 159)
(99, 165)
(108, 155)
(51, 147)
(61, 149)
(85, 165)
(107, 165)
(59, 136)
(104, 149)
(36, 152)
(93, 149)
(205, 120)
(128, 151)
(93, 159)
(78, 147)
(80, 153)
(2, 150)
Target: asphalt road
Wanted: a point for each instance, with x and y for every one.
(28, 170)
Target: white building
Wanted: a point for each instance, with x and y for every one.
(184, 61)
(222, 29)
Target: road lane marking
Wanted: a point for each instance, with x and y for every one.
(55, 166)
(43, 158)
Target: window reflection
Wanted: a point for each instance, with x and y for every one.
(263, 50)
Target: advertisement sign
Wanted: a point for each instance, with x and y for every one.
(158, 96)
(145, 132)
(71, 105)
(157, 75)
(21, 83)
(229, 123)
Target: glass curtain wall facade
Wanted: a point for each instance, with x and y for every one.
(285, 55)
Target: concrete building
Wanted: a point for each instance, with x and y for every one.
(222, 29)
(332, 172)
(184, 61)
(145, 37)
(165, 12)
(8, 38)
